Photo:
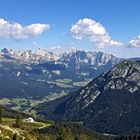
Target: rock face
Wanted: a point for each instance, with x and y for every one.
(110, 103)
(39, 73)
(93, 58)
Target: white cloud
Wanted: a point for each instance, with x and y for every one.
(34, 43)
(94, 31)
(134, 42)
(18, 32)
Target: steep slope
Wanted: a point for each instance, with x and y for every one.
(110, 103)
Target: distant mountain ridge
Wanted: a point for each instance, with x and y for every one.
(29, 55)
(92, 58)
(109, 104)
(40, 73)
(74, 56)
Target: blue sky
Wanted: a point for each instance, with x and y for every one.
(120, 19)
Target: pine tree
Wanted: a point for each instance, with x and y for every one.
(0, 114)
(19, 122)
(14, 137)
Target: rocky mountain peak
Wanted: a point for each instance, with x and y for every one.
(124, 75)
(124, 69)
(78, 57)
(28, 55)
(6, 54)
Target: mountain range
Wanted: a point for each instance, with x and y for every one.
(104, 89)
(109, 103)
(40, 73)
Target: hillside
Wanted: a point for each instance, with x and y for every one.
(47, 131)
(8, 113)
(109, 104)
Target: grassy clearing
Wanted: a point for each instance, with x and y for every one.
(25, 132)
(80, 84)
(26, 125)
(62, 85)
(8, 121)
(5, 101)
(67, 81)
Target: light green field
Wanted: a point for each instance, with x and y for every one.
(64, 80)
(25, 132)
(80, 84)
(61, 83)
(25, 105)
(26, 125)
(5, 101)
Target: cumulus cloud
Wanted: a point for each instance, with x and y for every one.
(18, 32)
(134, 42)
(94, 31)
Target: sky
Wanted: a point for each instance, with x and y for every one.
(111, 26)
